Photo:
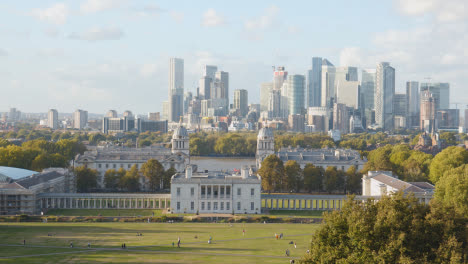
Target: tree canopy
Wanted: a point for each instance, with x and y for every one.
(452, 189)
(447, 159)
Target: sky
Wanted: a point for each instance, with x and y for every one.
(114, 54)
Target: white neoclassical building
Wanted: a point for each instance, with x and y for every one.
(342, 159)
(216, 192)
(116, 157)
(378, 183)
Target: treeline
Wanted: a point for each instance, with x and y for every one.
(156, 178)
(290, 177)
(39, 154)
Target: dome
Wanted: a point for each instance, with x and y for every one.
(265, 132)
(180, 132)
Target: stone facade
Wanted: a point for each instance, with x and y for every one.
(216, 192)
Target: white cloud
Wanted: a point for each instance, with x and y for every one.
(148, 69)
(56, 14)
(177, 16)
(149, 10)
(212, 19)
(265, 21)
(95, 34)
(443, 10)
(93, 6)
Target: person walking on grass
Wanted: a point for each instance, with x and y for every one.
(295, 245)
(24, 242)
(178, 242)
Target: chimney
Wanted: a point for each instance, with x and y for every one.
(245, 172)
(188, 171)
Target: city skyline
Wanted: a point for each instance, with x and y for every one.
(93, 55)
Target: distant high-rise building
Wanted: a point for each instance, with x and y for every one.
(265, 89)
(204, 86)
(448, 118)
(274, 103)
(413, 104)
(296, 123)
(52, 119)
(127, 113)
(466, 119)
(368, 88)
(296, 94)
(314, 83)
(80, 119)
(210, 71)
(399, 104)
(328, 84)
(187, 98)
(428, 111)
(176, 89)
(319, 118)
(14, 115)
(241, 101)
(154, 116)
(341, 118)
(441, 91)
(279, 76)
(165, 110)
(111, 114)
(384, 93)
(222, 78)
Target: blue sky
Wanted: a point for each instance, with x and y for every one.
(113, 54)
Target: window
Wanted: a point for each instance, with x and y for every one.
(203, 191)
(192, 191)
(208, 191)
(252, 191)
(238, 191)
(252, 205)
(178, 191)
(121, 165)
(178, 205)
(209, 206)
(107, 166)
(203, 205)
(215, 206)
(228, 191)
(192, 205)
(129, 166)
(114, 166)
(238, 206)
(99, 165)
(227, 205)
(221, 191)
(222, 205)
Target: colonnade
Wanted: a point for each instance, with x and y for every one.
(303, 202)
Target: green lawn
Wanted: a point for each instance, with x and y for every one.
(104, 212)
(298, 213)
(155, 246)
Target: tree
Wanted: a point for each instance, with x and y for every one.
(86, 178)
(294, 177)
(111, 179)
(353, 180)
(131, 180)
(154, 172)
(272, 173)
(379, 159)
(313, 178)
(333, 179)
(452, 189)
(167, 177)
(45, 160)
(4, 143)
(396, 229)
(449, 138)
(328, 144)
(447, 159)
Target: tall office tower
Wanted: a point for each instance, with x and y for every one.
(368, 88)
(187, 98)
(111, 114)
(80, 119)
(265, 89)
(399, 104)
(448, 118)
(165, 110)
(318, 118)
(413, 104)
(52, 119)
(441, 91)
(241, 101)
(209, 71)
(428, 111)
(274, 103)
(347, 86)
(204, 86)
(155, 116)
(341, 118)
(384, 93)
(466, 119)
(176, 89)
(127, 113)
(314, 83)
(296, 94)
(279, 76)
(14, 115)
(328, 83)
(223, 79)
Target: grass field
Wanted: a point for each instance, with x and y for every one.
(155, 246)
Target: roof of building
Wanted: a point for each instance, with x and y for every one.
(320, 155)
(180, 132)
(214, 176)
(15, 173)
(402, 185)
(120, 153)
(36, 179)
(265, 132)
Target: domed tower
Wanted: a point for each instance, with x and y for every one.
(180, 141)
(265, 145)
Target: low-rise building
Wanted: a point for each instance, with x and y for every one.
(216, 192)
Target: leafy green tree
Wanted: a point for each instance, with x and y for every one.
(333, 179)
(111, 179)
(70, 148)
(452, 189)
(15, 156)
(449, 138)
(86, 179)
(144, 143)
(447, 159)
(313, 178)
(272, 173)
(131, 180)
(95, 138)
(43, 161)
(4, 143)
(294, 177)
(167, 177)
(154, 172)
(328, 144)
(396, 229)
(379, 159)
(353, 180)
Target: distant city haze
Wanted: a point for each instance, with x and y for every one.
(98, 55)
